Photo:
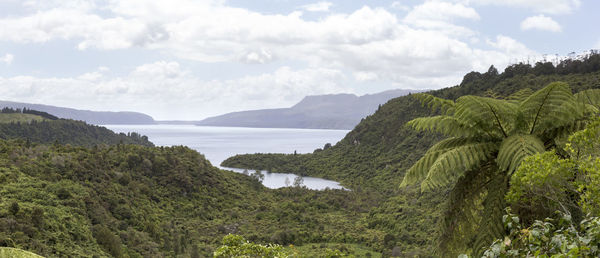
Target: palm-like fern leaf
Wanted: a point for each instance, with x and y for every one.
(454, 162)
(550, 107)
(419, 170)
(490, 115)
(516, 148)
(447, 125)
(520, 95)
(590, 98)
(434, 103)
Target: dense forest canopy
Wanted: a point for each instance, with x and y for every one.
(41, 127)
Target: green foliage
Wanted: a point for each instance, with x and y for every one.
(568, 182)
(105, 238)
(515, 148)
(542, 185)
(548, 238)
(134, 201)
(7, 252)
(67, 132)
(322, 250)
(501, 133)
(238, 246)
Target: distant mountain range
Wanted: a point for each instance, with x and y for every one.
(336, 111)
(91, 117)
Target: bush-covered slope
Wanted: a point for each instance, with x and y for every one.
(66, 132)
(375, 155)
(136, 201)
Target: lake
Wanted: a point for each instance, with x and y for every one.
(219, 143)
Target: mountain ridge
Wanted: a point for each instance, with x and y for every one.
(89, 116)
(331, 111)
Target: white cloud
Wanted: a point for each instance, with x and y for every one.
(424, 49)
(318, 7)
(540, 22)
(510, 46)
(543, 6)
(399, 6)
(95, 75)
(7, 59)
(91, 29)
(437, 15)
(163, 87)
(444, 11)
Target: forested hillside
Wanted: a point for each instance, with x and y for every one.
(133, 201)
(41, 127)
(75, 190)
(376, 154)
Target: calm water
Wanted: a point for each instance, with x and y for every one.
(219, 143)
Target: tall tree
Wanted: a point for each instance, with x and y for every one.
(487, 140)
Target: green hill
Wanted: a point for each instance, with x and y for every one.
(65, 132)
(136, 201)
(375, 155)
(41, 127)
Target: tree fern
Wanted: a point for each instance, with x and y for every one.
(488, 139)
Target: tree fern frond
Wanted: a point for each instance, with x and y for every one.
(520, 95)
(552, 106)
(434, 103)
(454, 162)
(454, 142)
(516, 148)
(491, 115)
(446, 125)
(589, 98)
(419, 170)
(564, 131)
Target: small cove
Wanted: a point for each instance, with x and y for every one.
(219, 143)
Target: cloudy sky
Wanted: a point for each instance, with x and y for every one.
(189, 59)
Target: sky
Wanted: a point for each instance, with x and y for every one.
(191, 59)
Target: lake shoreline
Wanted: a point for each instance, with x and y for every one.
(278, 180)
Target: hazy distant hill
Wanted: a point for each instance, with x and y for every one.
(337, 111)
(91, 117)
